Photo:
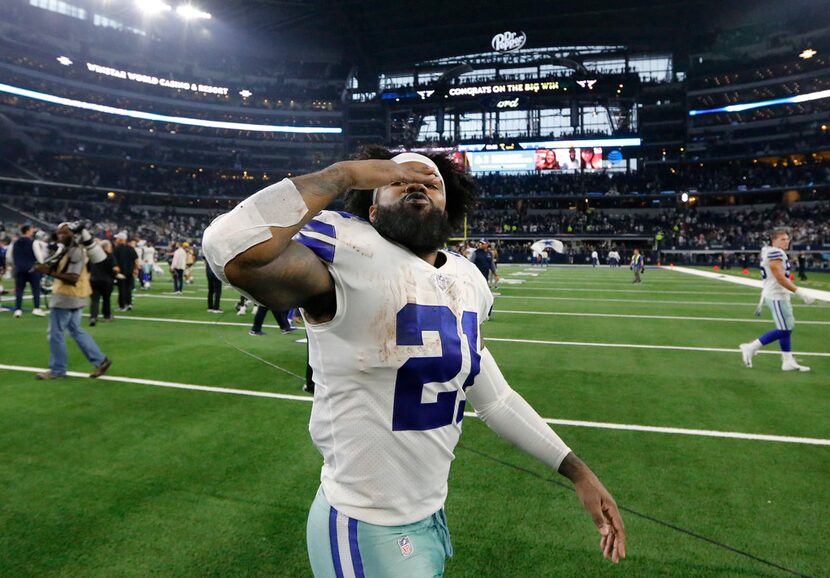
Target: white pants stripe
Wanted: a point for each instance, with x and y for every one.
(346, 562)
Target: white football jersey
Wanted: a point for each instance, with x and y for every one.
(772, 288)
(390, 370)
(149, 255)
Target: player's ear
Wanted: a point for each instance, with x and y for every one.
(373, 210)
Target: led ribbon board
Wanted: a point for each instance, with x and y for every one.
(553, 144)
(761, 103)
(163, 117)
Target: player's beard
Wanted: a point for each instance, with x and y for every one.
(422, 231)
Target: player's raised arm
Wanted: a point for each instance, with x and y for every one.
(509, 415)
(251, 248)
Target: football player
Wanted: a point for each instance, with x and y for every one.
(394, 340)
(637, 265)
(775, 271)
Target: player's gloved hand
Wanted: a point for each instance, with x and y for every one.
(808, 299)
(371, 174)
(758, 310)
(120, 276)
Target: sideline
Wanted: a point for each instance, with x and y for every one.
(817, 293)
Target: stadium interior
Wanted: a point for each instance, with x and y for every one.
(686, 130)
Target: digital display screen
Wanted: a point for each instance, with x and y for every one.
(570, 159)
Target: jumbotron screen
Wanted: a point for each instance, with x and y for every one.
(570, 159)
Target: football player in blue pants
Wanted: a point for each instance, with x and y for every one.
(775, 270)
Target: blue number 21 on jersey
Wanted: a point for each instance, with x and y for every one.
(409, 413)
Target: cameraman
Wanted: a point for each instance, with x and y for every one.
(69, 294)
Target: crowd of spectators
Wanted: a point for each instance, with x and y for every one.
(162, 226)
(705, 178)
(740, 228)
(238, 178)
(745, 227)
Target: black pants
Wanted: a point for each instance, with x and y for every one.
(125, 292)
(214, 289)
(20, 280)
(280, 316)
(101, 290)
(178, 279)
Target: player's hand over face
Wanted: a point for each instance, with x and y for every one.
(371, 174)
(603, 510)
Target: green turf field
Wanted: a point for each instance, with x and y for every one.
(112, 478)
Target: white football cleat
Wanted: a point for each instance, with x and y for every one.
(38, 312)
(747, 352)
(792, 365)
(18, 312)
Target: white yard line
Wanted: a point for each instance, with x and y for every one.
(574, 423)
(601, 300)
(194, 321)
(817, 293)
(506, 311)
(558, 282)
(644, 346)
(650, 301)
(185, 297)
(534, 341)
(524, 287)
(670, 317)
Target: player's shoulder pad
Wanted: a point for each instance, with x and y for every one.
(472, 273)
(463, 261)
(322, 233)
(776, 253)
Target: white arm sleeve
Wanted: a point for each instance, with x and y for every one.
(39, 249)
(509, 415)
(248, 224)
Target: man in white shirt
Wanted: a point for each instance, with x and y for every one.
(177, 267)
(613, 258)
(594, 258)
(775, 271)
(393, 330)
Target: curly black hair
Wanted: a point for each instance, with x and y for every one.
(460, 189)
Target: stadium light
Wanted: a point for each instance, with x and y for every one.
(165, 118)
(808, 53)
(64, 60)
(151, 7)
(190, 12)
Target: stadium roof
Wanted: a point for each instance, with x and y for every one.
(383, 34)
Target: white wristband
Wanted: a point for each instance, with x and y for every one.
(248, 224)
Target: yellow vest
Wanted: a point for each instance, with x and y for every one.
(81, 288)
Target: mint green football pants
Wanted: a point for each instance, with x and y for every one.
(342, 547)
